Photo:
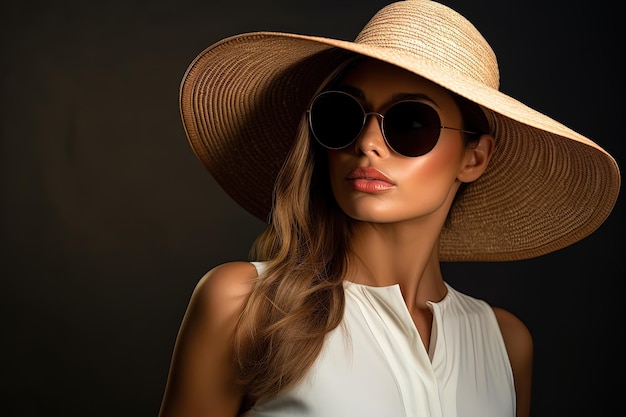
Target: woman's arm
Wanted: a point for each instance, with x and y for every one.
(519, 346)
(201, 375)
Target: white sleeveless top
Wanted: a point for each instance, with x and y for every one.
(375, 364)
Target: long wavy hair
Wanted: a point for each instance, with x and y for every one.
(299, 298)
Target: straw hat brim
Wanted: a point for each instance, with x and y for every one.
(547, 186)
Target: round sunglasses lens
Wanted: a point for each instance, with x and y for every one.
(412, 128)
(335, 119)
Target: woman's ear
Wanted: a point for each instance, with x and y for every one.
(477, 156)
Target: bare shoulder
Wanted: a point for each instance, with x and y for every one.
(517, 337)
(225, 287)
(202, 372)
(519, 347)
(220, 295)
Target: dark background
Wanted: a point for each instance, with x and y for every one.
(107, 219)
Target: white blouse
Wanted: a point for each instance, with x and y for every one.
(375, 364)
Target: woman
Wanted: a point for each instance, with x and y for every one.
(373, 160)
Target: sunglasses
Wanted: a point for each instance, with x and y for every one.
(410, 128)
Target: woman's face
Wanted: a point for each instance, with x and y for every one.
(373, 183)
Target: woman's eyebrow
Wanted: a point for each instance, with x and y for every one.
(351, 90)
(415, 96)
(358, 93)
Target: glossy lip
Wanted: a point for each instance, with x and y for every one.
(369, 180)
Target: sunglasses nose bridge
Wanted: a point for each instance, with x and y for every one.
(373, 113)
(366, 142)
(379, 116)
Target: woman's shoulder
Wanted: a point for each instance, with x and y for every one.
(227, 283)
(221, 295)
(515, 333)
(519, 347)
(202, 371)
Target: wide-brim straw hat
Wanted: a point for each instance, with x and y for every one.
(546, 187)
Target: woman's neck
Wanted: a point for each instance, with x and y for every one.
(400, 253)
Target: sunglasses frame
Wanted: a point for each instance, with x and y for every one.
(381, 116)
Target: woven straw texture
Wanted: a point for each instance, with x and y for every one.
(547, 186)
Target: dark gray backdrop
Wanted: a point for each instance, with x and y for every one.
(107, 219)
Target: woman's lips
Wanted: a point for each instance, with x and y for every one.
(369, 180)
